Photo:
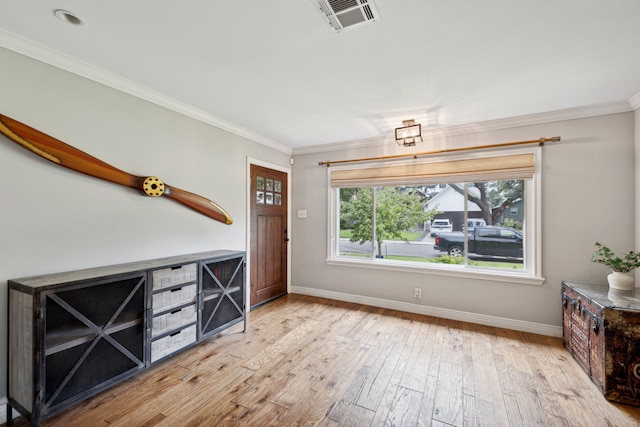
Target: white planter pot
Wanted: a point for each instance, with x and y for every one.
(622, 281)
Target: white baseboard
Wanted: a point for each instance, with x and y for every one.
(3, 411)
(481, 319)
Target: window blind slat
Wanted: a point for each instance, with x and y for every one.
(519, 166)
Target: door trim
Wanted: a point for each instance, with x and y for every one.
(280, 168)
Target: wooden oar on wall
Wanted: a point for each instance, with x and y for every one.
(70, 157)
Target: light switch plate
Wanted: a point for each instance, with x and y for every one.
(302, 213)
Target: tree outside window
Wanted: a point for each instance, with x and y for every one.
(399, 214)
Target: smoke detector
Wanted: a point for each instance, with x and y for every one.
(341, 14)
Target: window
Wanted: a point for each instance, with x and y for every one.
(475, 216)
(268, 191)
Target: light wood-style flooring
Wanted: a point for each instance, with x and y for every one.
(316, 362)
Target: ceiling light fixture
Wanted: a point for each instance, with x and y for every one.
(409, 133)
(68, 17)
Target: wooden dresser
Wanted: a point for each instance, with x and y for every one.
(601, 329)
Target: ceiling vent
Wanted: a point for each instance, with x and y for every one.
(343, 14)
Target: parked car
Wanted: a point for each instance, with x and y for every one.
(475, 222)
(484, 242)
(440, 225)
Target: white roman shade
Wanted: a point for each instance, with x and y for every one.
(519, 166)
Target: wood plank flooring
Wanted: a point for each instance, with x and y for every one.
(307, 361)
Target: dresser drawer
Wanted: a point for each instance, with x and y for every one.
(172, 343)
(168, 277)
(166, 300)
(173, 320)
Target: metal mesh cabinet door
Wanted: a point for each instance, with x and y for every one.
(222, 294)
(94, 335)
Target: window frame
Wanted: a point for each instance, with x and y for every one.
(532, 232)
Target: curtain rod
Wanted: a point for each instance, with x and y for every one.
(540, 141)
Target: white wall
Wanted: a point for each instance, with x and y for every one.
(588, 186)
(637, 177)
(53, 219)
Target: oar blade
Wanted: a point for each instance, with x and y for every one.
(64, 154)
(198, 203)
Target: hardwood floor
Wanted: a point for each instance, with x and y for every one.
(312, 361)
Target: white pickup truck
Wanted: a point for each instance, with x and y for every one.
(441, 225)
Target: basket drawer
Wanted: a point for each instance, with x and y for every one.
(173, 320)
(172, 276)
(166, 300)
(172, 343)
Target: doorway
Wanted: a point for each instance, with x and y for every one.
(268, 234)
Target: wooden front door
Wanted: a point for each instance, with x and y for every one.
(268, 235)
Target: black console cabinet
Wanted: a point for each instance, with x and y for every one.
(73, 335)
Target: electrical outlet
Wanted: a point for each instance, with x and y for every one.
(417, 293)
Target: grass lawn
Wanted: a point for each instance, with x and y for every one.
(494, 264)
(486, 264)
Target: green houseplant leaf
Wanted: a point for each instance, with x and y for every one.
(604, 255)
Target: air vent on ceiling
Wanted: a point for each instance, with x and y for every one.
(343, 14)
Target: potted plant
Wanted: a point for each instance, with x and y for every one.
(620, 277)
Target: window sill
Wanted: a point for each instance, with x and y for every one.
(440, 270)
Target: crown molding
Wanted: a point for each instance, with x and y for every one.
(635, 101)
(492, 125)
(355, 144)
(18, 44)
